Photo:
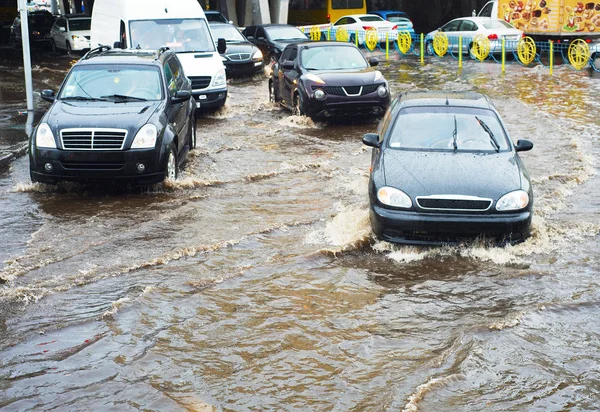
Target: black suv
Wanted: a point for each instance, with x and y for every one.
(40, 22)
(125, 115)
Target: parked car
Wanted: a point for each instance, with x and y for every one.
(322, 79)
(399, 18)
(40, 23)
(271, 39)
(444, 170)
(71, 32)
(120, 115)
(241, 56)
(216, 16)
(360, 23)
(470, 27)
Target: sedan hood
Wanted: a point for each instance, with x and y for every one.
(244, 47)
(488, 175)
(356, 77)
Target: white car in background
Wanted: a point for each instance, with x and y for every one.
(360, 23)
(470, 27)
(71, 32)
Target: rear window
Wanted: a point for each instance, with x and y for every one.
(496, 24)
(371, 18)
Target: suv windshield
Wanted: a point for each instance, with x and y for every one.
(191, 35)
(448, 128)
(102, 82)
(332, 58)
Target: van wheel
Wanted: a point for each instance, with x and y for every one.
(172, 167)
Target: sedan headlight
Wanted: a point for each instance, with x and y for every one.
(517, 200)
(220, 78)
(145, 138)
(257, 55)
(44, 137)
(391, 196)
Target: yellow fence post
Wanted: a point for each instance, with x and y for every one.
(356, 38)
(460, 52)
(503, 54)
(551, 55)
(329, 34)
(387, 47)
(422, 50)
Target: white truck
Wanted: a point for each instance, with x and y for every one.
(180, 25)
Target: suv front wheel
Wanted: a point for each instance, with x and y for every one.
(172, 166)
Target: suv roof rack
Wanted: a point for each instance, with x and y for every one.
(102, 48)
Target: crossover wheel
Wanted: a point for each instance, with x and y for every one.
(298, 106)
(172, 167)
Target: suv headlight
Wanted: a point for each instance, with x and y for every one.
(220, 78)
(44, 137)
(391, 196)
(145, 138)
(519, 199)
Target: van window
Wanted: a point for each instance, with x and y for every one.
(486, 11)
(179, 35)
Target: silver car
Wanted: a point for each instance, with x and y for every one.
(470, 27)
(71, 32)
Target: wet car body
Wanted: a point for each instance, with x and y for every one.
(306, 84)
(437, 192)
(71, 32)
(399, 18)
(40, 23)
(271, 39)
(142, 137)
(241, 58)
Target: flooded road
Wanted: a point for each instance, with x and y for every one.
(253, 282)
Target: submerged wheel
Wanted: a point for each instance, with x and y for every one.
(429, 48)
(53, 46)
(193, 133)
(172, 166)
(69, 50)
(298, 105)
(272, 95)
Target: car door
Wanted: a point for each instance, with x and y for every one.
(262, 42)
(467, 30)
(59, 33)
(450, 30)
(178, 116)
(289, 76)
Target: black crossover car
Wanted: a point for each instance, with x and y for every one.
(271, 39)
(120, 115)
(444, 170)
(241, 56)
(322, 79)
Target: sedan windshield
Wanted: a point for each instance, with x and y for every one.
(227, 32)
(448, 129)
(284, 33)
(112, 82)
(332, 58)
(191, 35)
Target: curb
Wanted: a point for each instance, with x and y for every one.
(10, 155)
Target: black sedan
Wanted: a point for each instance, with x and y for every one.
(120, 115)
(323, 79)
(241, 56)
(271, 39)
(444, 170)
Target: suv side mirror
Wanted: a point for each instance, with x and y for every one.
(288, 65)
(221, 46)
(373, 61)
(371, 139)
(48, 95)
(523, 145)
(181, 96)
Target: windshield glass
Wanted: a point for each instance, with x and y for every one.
(80, 24)
(227, 32)
(436, 128)
(99, 81)
(332, 58)
(371, 18)
(191, 35)
(284, 33)
(398, 18)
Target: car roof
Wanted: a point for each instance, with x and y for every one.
(106, 55)
(314, 44)
(359, 15)
(442, 98)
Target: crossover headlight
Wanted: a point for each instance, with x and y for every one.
(517, 200)
(257, 55)
(220, 78)
(145, 138)
(314, 78)
(320, 94)
(391, 196)
(44, 137)
(382, 91)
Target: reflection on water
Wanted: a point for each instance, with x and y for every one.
(254, 282)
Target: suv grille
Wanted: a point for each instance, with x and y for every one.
(457, 203)
(238, 56)
(93, 139)
(349, 90)
(200, 82)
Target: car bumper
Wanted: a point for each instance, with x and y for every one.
(210, 99)
(437, 229)
(53, 165)
(243, 68)
(344, 105)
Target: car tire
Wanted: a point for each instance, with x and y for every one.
(429, 48)
(193, 132)
(69, 49)
(272, 95)
(298, 108)
(53, 46)
(172, 169)
(471, 54)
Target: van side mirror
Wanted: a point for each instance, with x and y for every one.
(523, 145)
(48, 95)
(371, 139)
(221, 46)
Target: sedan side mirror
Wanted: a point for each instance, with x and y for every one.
(373, 61)
(371, 139)
(221, 45)
(288, 65)
(181, 96)
(48, 95)
(524, 145)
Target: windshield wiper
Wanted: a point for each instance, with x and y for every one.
(124, 98)
(82, 98)
(489, 132)
(454, 133)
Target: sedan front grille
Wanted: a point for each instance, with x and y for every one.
(199, 82)
(93, 139)
(349, 90)
(238, 56)
(454, 203)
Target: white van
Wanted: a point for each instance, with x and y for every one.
(180, 25)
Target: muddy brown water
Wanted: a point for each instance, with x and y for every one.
(253, 282)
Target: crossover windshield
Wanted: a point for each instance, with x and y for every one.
(332, 58)
(191, 35)
(112, 82)
(451, 129)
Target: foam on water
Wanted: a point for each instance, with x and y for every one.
(433, 383)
